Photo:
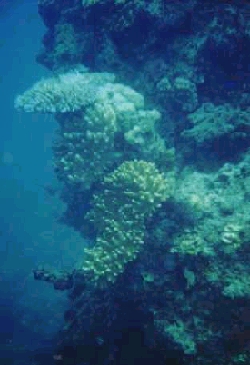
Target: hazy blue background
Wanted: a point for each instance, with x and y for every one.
(29, 233)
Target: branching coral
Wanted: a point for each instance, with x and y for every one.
(87, 145)
(84, 151)
(129, 194)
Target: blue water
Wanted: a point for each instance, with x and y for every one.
(29, 232)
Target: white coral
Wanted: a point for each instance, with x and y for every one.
(64, 93)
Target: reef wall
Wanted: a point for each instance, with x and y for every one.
(152, 104)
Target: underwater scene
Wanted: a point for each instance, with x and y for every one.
(125, 182)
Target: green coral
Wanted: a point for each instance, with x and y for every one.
(231, 274)
(179, 332)
(129, 194)
(213, 121)
(193, 242)
(231, 237)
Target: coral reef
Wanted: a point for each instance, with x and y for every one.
(152, 103)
